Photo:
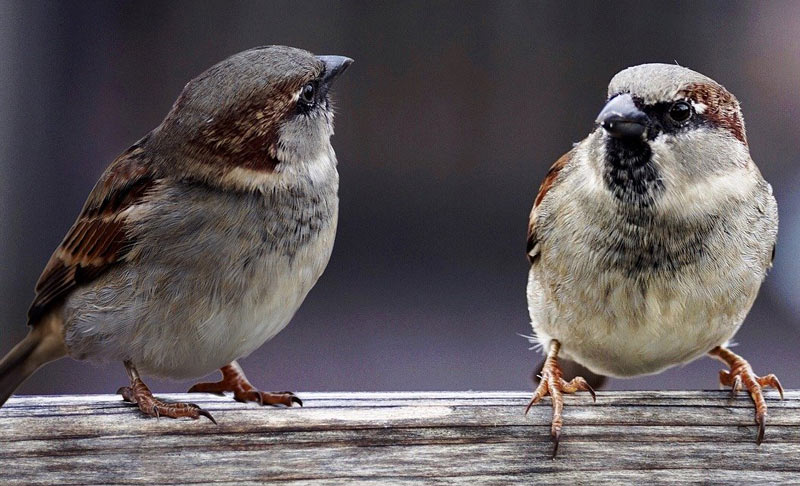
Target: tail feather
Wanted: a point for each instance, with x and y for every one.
(44, 343)
(14, 368)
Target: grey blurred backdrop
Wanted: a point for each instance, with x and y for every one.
(446, 124)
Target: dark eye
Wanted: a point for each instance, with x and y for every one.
(308, 93)
(680, 111)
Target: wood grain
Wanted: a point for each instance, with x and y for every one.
(403, 438)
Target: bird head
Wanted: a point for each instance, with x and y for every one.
(666, 127)
(255, 115)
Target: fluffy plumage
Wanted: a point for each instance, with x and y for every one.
(649, 240)
(200, 242)
(632, 286)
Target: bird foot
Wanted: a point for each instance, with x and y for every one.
(234, 380)
(740, 376)
(139, 394)
(551, 383)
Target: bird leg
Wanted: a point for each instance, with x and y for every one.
(551, 383)
(742, 375)
(139, 394)
(233, 380)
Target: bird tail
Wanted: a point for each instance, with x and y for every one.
(44, 343)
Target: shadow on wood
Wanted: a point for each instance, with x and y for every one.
(475, 438)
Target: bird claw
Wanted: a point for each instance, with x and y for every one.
(266, 398)
(556, 439)
(761, 420)
(234, 380)
(551, 383)
(771, 381)
(205, 413)
(741, 376)
(138, 393)
(735, 386)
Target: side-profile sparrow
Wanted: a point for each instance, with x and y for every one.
(200, 241)
(649, 240)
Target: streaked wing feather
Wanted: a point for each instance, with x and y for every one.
(547, 184)
(100, 237)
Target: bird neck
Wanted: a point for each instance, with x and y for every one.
(630, 173)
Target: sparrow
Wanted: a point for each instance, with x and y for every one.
(649, 240)
(199, 242)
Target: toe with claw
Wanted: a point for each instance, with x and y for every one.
(139, 394)
(740, 376)
(551, 383)
(234, 380)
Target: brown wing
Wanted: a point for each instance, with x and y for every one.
(99, 238)
(547, 184)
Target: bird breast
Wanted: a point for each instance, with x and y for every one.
(213, 275)
(631, 290)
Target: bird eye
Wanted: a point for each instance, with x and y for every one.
(308, 93)
(680, 111)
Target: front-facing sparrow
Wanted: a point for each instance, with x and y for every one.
(649, 240)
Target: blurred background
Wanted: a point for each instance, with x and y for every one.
(447, 122)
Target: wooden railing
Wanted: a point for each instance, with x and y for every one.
(398, 438)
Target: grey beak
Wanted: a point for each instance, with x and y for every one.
(334, 66)
(622, 119)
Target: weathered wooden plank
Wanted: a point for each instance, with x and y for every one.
(403, 438)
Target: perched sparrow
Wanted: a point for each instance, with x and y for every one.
(649, 240)
(199, 242)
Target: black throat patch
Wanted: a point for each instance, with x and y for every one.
(630, 173)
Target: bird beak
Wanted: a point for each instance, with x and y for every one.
(334, 66)
(622, 119)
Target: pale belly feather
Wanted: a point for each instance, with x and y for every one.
(209, 286)
(625, 330)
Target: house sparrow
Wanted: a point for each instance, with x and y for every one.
(198, 243)
(649, 240)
